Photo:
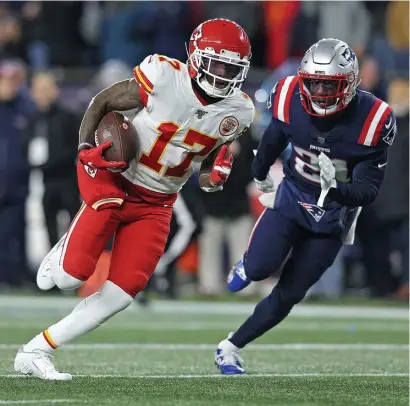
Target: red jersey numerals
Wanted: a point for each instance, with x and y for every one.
(192, 138)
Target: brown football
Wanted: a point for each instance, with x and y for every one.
(118, 129)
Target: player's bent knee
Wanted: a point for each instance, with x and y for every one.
(65, 281)
(258, 272)
(130, 283)
(75, 269)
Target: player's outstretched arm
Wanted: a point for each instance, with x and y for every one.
(121, 96)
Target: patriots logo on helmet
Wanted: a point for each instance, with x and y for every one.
(315, 211)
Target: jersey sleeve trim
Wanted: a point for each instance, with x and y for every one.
(142, 80)
(284, 92)
(374, 123)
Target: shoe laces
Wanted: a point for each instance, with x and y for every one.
(46, 358)
(232, 358)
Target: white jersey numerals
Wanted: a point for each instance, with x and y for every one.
(307, 165)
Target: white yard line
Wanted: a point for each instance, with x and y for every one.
(29, 402)
(188, 325)
(218, 308)
(208, 347)
(296, 375)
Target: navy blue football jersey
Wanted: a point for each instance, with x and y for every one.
(355, 139)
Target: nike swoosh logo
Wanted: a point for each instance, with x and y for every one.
(381, 165)
(389, 124)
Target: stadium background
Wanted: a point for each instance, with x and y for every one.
(86, 46)
(347, 348)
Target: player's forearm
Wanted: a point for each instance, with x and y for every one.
(121, 96)
(367, 179)
(354, 195)
(270, 148)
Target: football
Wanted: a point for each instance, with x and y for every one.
(118, 129)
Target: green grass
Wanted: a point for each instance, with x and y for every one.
(156, 358)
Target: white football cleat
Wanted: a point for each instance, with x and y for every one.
(38, 363)
(45, 280)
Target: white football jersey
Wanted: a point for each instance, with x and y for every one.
(175, 129)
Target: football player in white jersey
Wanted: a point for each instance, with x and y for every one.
(187, 113)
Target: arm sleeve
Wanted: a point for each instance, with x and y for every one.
(368, 175)
(366, 181)
(273, 142)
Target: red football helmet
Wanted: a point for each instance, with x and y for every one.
(219, 54)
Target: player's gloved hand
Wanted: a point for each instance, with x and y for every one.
(327, 172)
(265, 186)
(93, 157)
(99, 189)
(222, 167)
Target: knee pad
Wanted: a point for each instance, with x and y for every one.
(104, 304)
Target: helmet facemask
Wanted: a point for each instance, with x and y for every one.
(219, 74)
(323, 95)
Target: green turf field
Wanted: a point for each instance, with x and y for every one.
(163, 355)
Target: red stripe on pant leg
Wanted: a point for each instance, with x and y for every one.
(254, 227)
(73, 222)
(88, 239)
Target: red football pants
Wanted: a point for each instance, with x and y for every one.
(141, 231)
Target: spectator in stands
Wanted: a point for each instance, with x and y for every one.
(347, 21)
(228, 221)
(11, 44)
(372, 78)
(392, 205)
(398, 33)
(383, 227)
(132, 31)
(15, 107)
(279, 22)
(50, 143)
(186, 226)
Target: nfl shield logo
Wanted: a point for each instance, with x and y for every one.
(200, 113)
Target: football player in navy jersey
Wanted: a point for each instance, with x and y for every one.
(339, 138)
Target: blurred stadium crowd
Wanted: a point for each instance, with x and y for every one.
(54, 56)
